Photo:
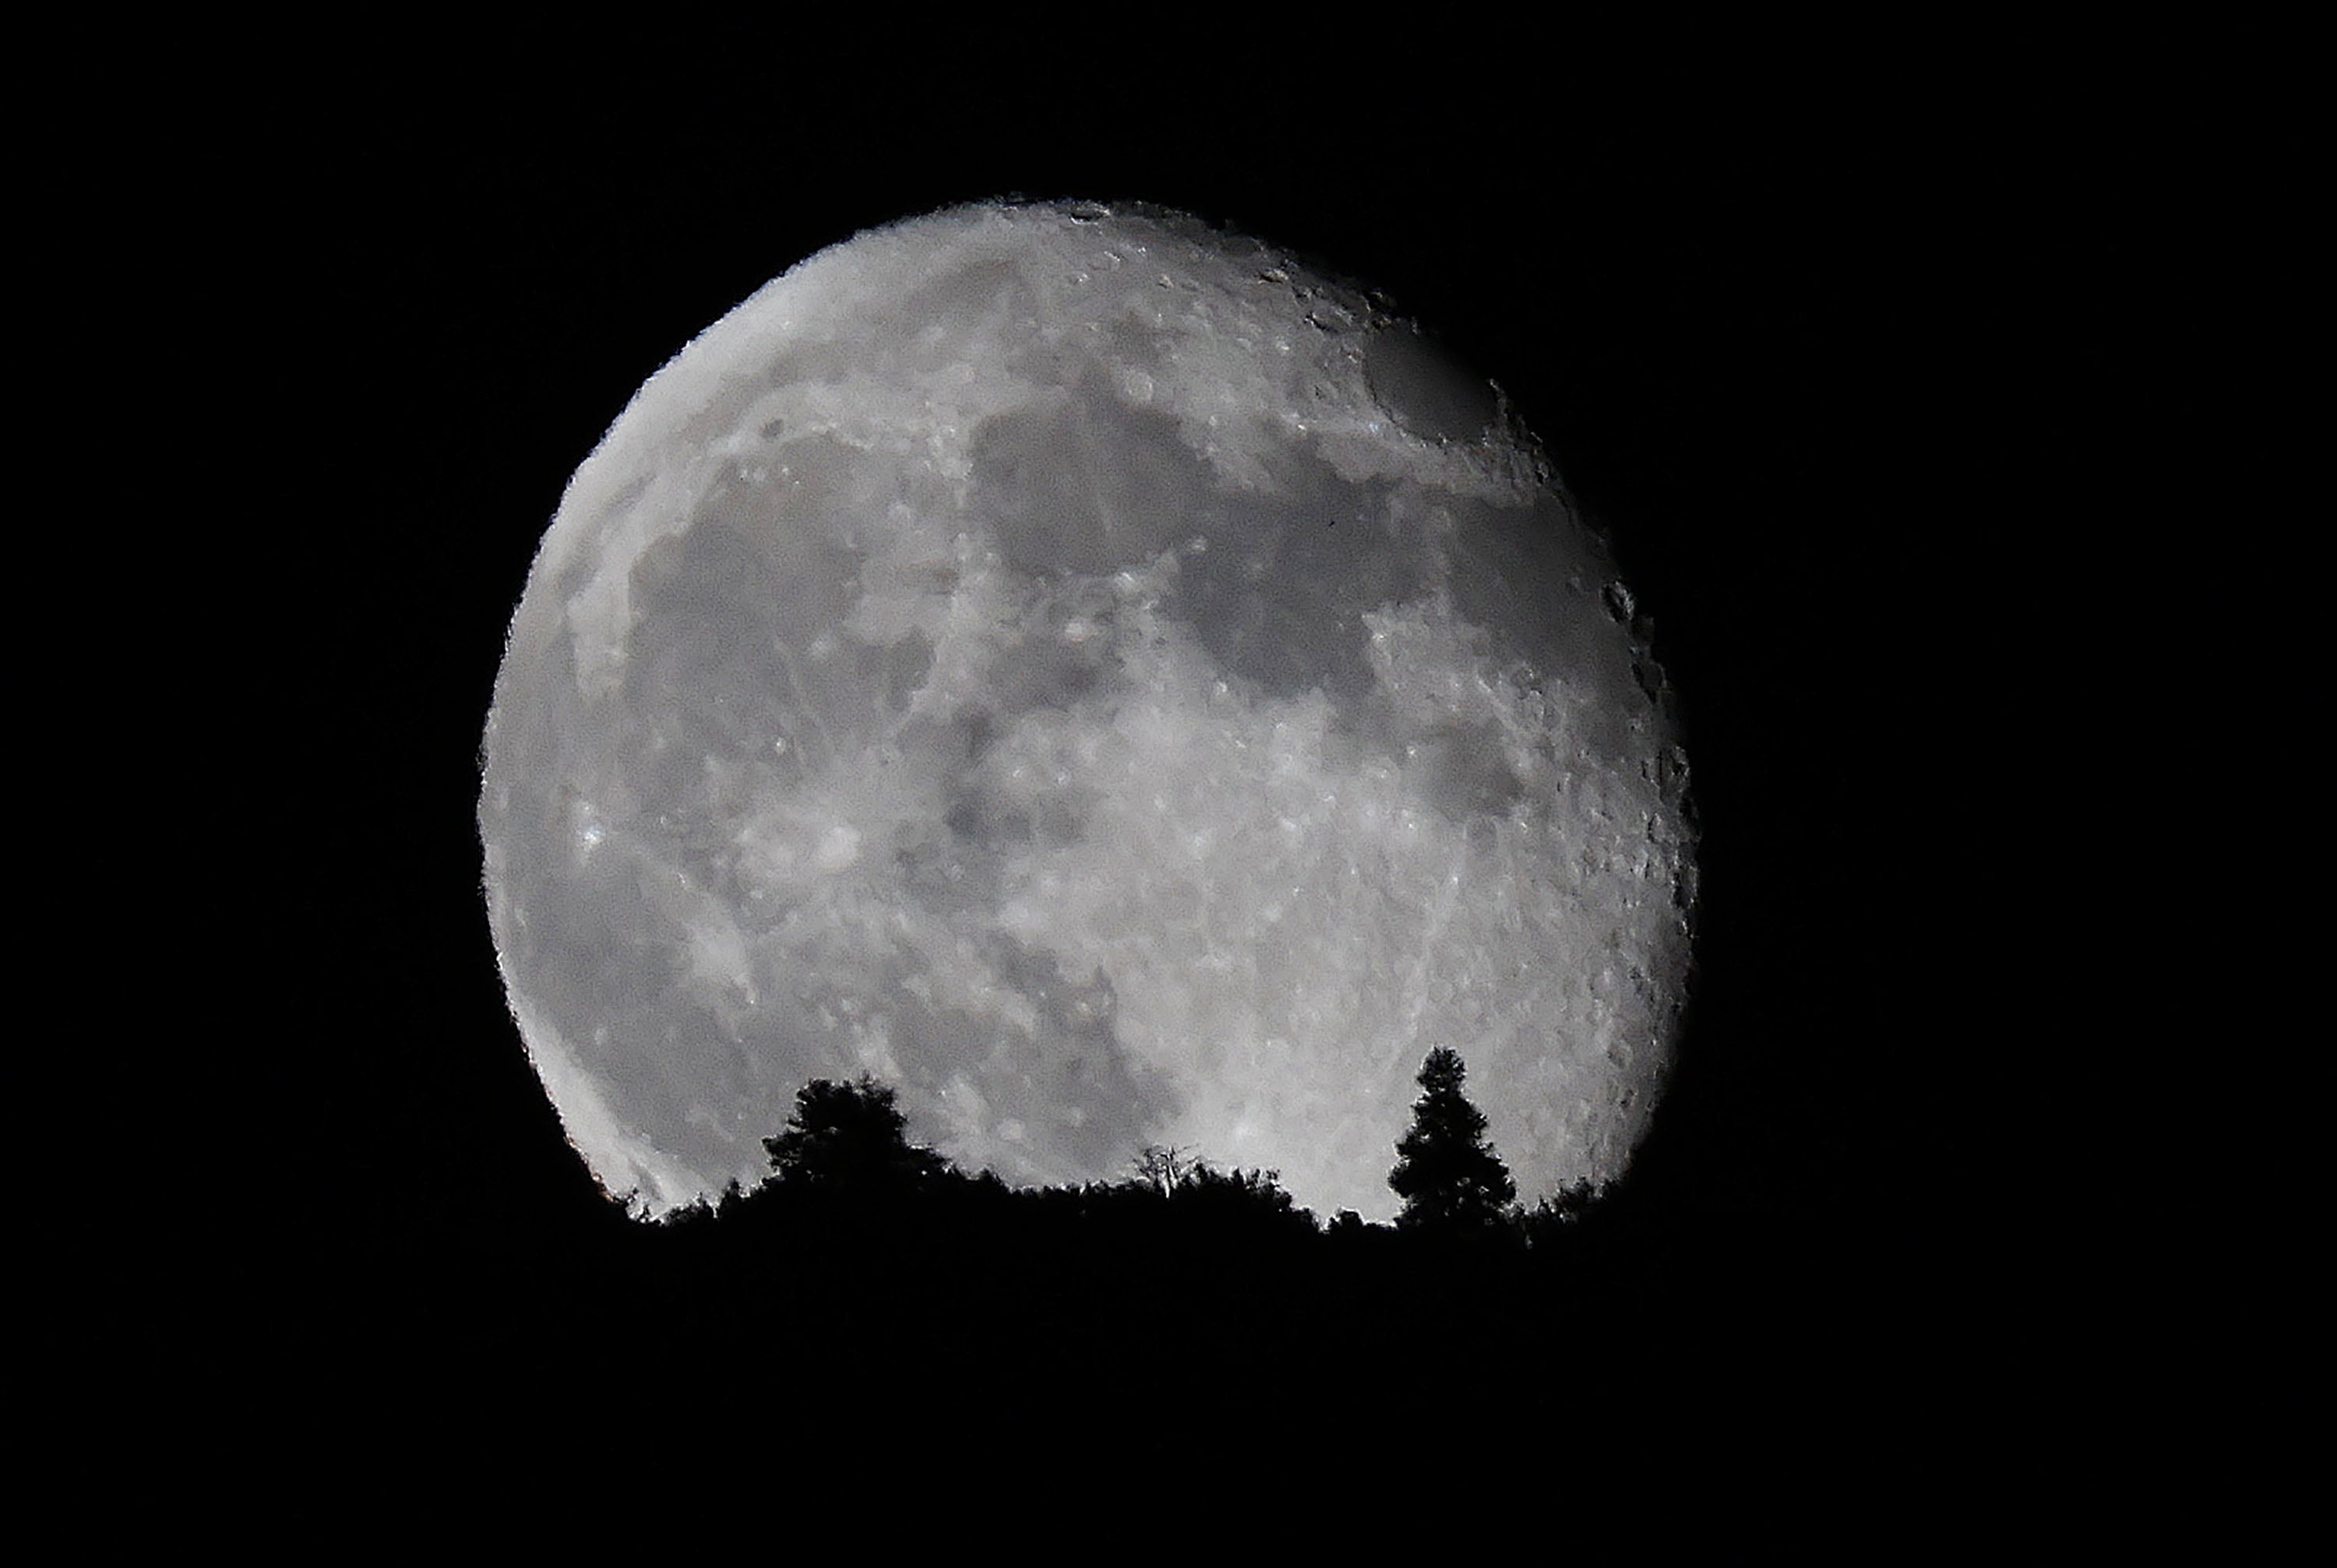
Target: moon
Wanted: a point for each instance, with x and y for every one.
(1114, 683)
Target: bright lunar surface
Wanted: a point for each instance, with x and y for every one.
(1110, 682)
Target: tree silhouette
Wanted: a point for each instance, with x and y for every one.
(1445, 1171)
(1163, 1170)
(852, 1139)
(1239, 1197)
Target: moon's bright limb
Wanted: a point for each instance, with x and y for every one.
(1111, 684)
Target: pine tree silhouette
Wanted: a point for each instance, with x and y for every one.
(1445, 1171)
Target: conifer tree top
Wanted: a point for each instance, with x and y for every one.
(1446, 1173)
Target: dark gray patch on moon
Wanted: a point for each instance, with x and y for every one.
(1281, 608)
(1467, 773)
(1431, 393)
(1074, 482)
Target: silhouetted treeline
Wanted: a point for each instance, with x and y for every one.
(860, 1231)
(846, 1179)
(869, 1277)
(871, 1291)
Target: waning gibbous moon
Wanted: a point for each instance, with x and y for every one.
(1108, 682)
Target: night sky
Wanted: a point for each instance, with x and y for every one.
(1749, 325)
(1696, 326)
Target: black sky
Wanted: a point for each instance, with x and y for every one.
(1742, 319)
(1811, 325)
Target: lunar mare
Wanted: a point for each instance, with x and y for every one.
(1108, 682)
